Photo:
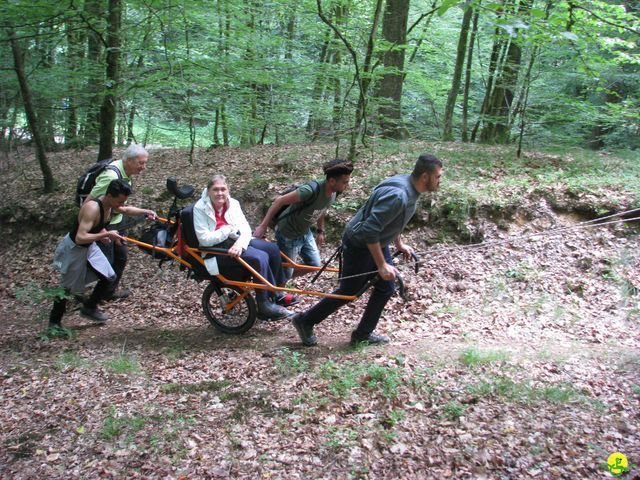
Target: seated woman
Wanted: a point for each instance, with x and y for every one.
(219, 222)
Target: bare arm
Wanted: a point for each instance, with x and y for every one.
(88, 218)
(406, 250)
(320, 226)
(133, 211)
(278, 203)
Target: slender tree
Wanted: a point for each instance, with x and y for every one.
(447, 134)
(109, 108)
(32, 119)
(92, 15)
(467, 79)
(500, 103)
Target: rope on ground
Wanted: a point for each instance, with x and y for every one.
(598, 222)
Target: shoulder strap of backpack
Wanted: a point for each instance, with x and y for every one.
(315, 189)
(113, 168)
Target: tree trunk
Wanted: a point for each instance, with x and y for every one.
(290, 33)
(109, 109)
(4, 113)
(364, 81)
(394, 31)
(93, 10)
(216, 128)
(32, 119)
(496, 50)
(131, 138)
(467, 79)
(336, 117)
(447, 133)
(499, 107)
(318, 87)
(41, 101)
(74, 59)
(225, 127)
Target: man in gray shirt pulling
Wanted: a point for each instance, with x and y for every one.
(365, 248)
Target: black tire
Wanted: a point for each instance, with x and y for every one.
(239, 319)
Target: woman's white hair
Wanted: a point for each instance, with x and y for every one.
(217, 178)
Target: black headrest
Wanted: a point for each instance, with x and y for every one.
(185, 191)
(189, 232)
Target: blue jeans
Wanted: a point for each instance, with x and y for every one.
(304, 247)
(355, 260)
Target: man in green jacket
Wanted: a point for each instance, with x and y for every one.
(134, 162)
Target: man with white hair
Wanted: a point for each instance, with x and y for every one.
(134, 161)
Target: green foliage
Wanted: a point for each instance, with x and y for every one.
(290, 362)
(114, 425)
(160, 431)
(343, 378)
(340, 438)
(346, 377)
(508, 389)
(69, 360)
(56, 332)
(385, 379)
(33, 294)
(206, 386)
(258, 69)
(123, 364)
(453, 410)
(473, 356)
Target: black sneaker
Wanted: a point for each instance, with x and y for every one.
(119, 295)
(371, 339)
(304, 332)
(94, 314)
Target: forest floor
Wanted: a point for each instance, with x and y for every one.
(517, 359)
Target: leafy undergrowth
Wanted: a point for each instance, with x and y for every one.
(517, 359)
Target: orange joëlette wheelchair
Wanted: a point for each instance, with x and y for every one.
(227, 302)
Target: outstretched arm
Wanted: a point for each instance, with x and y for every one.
(133, 211)
(278, 203)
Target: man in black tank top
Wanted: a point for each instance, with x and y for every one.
(80, 261)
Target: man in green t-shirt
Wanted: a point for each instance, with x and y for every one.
(134, 161)
(306, 205)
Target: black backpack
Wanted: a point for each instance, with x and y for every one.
(295, 208)
(87, 180)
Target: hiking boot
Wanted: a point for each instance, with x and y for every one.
(271, 311)
(94, 314)
(119, 295)
(288, 299)
(371, 339)
(304, 332)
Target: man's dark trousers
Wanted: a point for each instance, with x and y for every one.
(117, 254)
(355, 260)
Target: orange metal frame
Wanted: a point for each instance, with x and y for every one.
(260, 283)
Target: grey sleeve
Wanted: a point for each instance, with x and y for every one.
(386, 207)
